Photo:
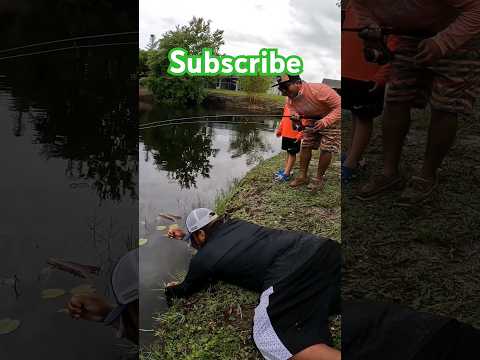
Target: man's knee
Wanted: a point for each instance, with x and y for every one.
(307, 148)
(318, 352)
(440, 114)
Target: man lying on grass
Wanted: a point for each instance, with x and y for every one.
(297, 274)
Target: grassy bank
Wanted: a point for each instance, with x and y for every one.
(274, 99)
(217, 323)
(230, 100)
(425, 257)
(241, 100)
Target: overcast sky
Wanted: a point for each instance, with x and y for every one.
(307, 28)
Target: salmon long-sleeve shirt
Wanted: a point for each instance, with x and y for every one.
(354, 65)
(317, 100)
(455, 22)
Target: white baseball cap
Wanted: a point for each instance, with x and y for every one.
(124, 283)
(198, 219)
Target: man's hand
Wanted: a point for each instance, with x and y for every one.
(176, 233)
(428, 52)
(299, 136)
(172, 283)
(278, 133)
(319, 125)
(295, 117)
(371, 32)
(377, 87)
(90, 307)
(169, 293)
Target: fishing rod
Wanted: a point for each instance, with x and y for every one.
(70, 39)
(377, 50)
(265, 126)
(209, 116)
(368, 32)
(66, 48)
(172, 121)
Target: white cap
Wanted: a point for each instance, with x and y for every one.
(124, 283)
(198, 219)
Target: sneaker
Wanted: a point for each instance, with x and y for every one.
(347, 174)
(316, 184)
(417, 191)
(299, 181)
(282, 178)
(379, 184)
(280, 172)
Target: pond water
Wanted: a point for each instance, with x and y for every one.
(181, 167)
(69, 191)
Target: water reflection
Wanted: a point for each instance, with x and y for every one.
(247, 140)
(90, 123)
(69, 127)
(184, 152)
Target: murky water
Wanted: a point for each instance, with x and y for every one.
(69, 191)
(183, 167)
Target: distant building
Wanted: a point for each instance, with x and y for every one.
(227, 83)
(334, 84)
(274, 90)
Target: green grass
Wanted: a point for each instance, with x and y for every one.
(217, 323)
(425, 257)
(260, 200)
(262, 97)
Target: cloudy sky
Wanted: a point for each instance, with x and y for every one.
(307, 28)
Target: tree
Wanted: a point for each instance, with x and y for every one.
(153, 43)
(255, 85)
(184, 152)
(192, 37)
(142, 63)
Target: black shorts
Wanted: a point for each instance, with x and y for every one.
(357, 98)
(291, 146)
(378, 331)
(293, 313)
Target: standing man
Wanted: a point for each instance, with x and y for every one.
(441, 67)
(320, 106)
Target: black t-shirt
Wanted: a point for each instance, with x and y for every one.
(372, 331)
(241, 253)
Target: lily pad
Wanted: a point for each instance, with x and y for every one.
(84, 289)
(161, 228)
(8, 326)
(52, 293)
(142, 242)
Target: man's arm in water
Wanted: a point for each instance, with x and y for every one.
(198, 278)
